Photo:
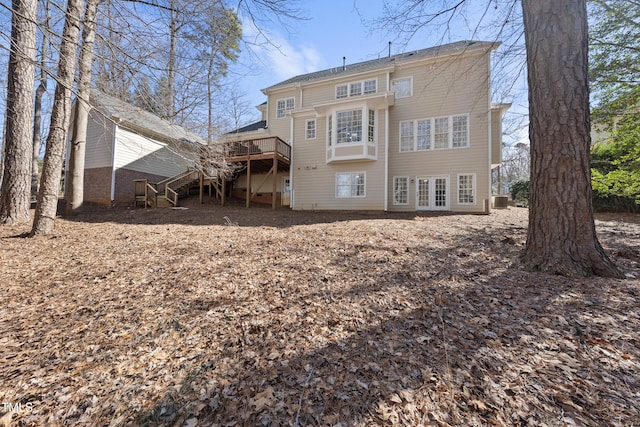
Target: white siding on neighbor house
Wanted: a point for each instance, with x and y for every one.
(142, 154)
(99, 148)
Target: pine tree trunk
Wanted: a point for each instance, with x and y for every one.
(47, 205)
(15, 196)
(75, 175)
(561, 238)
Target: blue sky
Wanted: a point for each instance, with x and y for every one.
(343, 28)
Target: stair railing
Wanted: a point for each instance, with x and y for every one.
(172, 186)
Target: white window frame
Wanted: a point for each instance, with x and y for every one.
(356, 88)
(375, 86)
(430, 142)
(407, 133)
(455, 132)
(464, 192)
(288, 104)
(342, 91)
(352, 185)
(310, 132)
(405, 191)
(403, 94)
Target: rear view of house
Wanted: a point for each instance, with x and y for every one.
(408, 132)
(125, 143)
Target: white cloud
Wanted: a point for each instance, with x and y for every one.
(281, 58)
(288, 60)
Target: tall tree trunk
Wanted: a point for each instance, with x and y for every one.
(37, 112)
(561, 238)
(15, 189)
(52, 169)
(171, 72)
(75, 175)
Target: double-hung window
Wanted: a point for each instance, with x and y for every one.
(402, 87)
(370, 86)
(310, 129)
(441, 132)
(355, 89)
(406, 136)
(459, 132)
(466, 189)
(284, 105)
(350, 184)
(434, 134)
(342, 91)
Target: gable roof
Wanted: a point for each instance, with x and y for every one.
(433, 52)
(141, 121)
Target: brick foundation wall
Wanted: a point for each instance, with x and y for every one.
(97, 186)
(124, 184)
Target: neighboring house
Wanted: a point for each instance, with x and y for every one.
(408, 132)
(125, 143)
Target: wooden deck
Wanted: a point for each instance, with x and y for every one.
(260, 156)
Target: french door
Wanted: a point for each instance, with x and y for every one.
(432, 193)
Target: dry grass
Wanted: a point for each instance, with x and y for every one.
(229, 316)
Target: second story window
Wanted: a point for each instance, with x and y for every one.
(402, 87)
(310, 129)
(283, 106)
(370, 86)
(349, 126)
(434, 134)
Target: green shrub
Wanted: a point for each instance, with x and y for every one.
(520, 191)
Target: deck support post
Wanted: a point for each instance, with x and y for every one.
(224, 190)
(275, 175)
(248, 182)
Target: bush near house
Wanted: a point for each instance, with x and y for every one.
(520, 192)
(615, 176)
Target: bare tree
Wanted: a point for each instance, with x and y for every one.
(49, 191)
(38, 101)
(15, 188)
(75, 170)
(561, 238)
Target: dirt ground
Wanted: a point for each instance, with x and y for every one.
(211, 316)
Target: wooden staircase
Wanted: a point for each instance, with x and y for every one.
(168, 192)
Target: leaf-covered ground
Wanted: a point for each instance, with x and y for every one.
(232, 316)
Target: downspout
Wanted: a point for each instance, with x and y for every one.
(487, 208)
(386, 151)
(291, 192)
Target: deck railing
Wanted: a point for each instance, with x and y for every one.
(259, 146)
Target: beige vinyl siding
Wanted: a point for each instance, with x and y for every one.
(142, 154)
(496, 137)
(322, 93)
(314, 181)
(281, 126)
(257, 179)
(99, 148)
(445, 89)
